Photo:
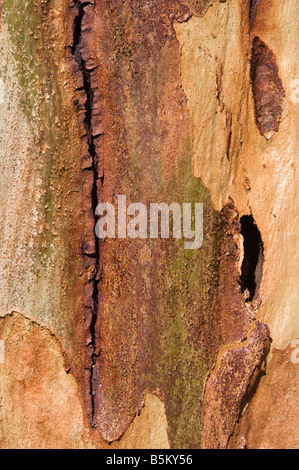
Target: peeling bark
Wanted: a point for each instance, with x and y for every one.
(235, 374)
(268, 92)
(139, 343)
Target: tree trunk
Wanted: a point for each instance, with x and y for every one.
(139, 342)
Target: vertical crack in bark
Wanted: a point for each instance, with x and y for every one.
(252, 10)
(224, 109)
(88, 105)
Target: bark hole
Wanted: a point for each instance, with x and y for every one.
(252, 267)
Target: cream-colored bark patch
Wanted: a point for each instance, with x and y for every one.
(148, 430)
(270, 420)
(213, 66)
(39, 401)
(40, 404)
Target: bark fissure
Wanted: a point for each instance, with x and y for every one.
(89, 100)
(252, 10)
(225, 110)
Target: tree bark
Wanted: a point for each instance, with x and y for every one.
(141, 343)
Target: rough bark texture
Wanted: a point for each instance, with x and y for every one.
(141, 343)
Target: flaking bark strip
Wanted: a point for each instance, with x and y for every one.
(229, 384)
(267, 88)
(86, 90)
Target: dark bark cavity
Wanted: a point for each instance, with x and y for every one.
(252, 267)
